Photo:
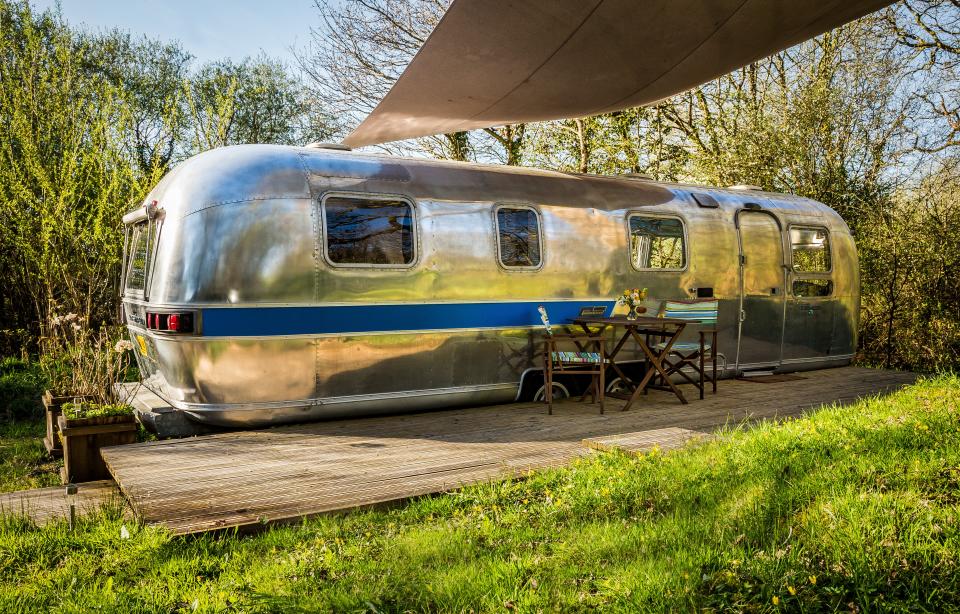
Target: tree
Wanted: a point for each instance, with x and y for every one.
(64, 178)
(253, 101)
(930, 30)
(151, 74)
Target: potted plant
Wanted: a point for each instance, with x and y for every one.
(87, 426)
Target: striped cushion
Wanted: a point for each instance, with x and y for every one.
(683, 347)
(576, 357)
(705, 311)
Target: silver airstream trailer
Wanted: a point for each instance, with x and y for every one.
(268, 284)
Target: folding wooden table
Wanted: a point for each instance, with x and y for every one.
(638, 329)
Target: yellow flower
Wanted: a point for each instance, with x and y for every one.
(813, 579)
(776, 600)
(792, 590)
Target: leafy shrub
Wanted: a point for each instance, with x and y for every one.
(21, 385)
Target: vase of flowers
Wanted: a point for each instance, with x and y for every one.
(633, 298)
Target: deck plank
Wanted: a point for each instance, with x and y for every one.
(248, 477)
(43, 505)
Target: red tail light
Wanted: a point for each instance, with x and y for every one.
(179, 322)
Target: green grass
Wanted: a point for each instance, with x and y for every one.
(23, 459)
(854, 507)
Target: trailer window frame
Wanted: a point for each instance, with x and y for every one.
(685, 237)
(829, 249)
(150, 230)
(370, 197)
(811, 276)
(498, 246)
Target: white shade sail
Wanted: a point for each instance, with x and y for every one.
(495, 62)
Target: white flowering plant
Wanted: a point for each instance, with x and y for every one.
(80, 361)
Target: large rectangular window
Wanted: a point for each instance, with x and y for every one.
(369, 231)
(518, 237)
(657, 243)
(811, 249)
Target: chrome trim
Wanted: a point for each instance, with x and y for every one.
(185, 305)
(816, 359)
(359, 398)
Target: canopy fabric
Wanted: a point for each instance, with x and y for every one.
(496, 62)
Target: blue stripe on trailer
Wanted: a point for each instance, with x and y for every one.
(324, 320)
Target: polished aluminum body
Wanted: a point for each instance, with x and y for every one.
(239, 238)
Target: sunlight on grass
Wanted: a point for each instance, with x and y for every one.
(852, 505)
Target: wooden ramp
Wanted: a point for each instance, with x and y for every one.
(43, 505)
(249, 477)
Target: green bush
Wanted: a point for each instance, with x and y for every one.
(21, 386)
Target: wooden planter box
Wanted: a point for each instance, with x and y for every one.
(53, 404)
(82, 439)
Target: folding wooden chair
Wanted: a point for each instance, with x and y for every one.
(573, 363)
(693, 354)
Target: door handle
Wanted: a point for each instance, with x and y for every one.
(743, 315)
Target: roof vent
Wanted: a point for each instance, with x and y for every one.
(746, 187)
(642, 176)
(705, 200)
(336, 146)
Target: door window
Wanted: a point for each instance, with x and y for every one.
(811, 249)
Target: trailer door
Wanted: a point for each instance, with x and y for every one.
(762, 283)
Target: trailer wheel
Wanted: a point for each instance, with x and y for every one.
(617, 386)
(560, 392)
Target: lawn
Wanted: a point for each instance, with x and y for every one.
(850, 508)
(24, 462)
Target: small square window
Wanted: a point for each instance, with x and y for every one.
(518, 237)
(811, 249)
(657, 243)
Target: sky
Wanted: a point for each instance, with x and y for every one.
(209, 29)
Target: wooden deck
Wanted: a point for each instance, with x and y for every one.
(249, 477)
(43, 505)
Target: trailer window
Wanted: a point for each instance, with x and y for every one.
(138, 257)
(657, 243)
(811, 249)
(364, 231)
(518, 237)
(812, 288)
